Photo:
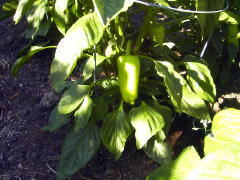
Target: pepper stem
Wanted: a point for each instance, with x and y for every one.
(129, 44)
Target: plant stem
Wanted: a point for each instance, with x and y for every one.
(128, 50)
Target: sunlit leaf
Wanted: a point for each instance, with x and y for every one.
(115, 130)
(82, 35)
(229, 17)
(77, 150)
(146, 122)
(225, 129)
(201, 81)
(179, 168)
(22, 8)
(72, 98)
(222, 164)
(24, 59)
(56, 120)
(181, 95)
(60, 16)
(8, 9)
(108, 9)
(36, 15)
(83, 113)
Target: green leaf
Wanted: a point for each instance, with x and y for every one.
(82, 35)
(115, 130)
(83, 113)
(109, 9)
(208, 22)
(72, 98)
(201, 81)
(22, 8)
(158, 150)
(182, 97)
(36, 15)
(222, 164)
(166, 112)
(60, 16)
(8, 9)
(178, 169)
(146, 122)
(100, 109)
(225, 129)
(56, 120)
(24, 59)
(77, 150)
(229, 17)
(89, 66)
(238, 35)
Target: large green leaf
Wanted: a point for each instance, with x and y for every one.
(86, 32)
(72, 98)
(83, 113)
(77, 150)
(108, 9)
(56, 120)
(182, 97)
(223, 164)
(24, 59)
(225, 129)
(115, 130)
(146, 122)
(178, 169)
(89, 66)
(157, 149)
(22, 8)
(201, 81)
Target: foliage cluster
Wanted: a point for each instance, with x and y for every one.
(90, 35)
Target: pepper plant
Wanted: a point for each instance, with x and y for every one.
(122, 70)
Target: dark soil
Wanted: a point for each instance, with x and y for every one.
(29, 153)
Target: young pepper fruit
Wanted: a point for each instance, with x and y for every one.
(128, 77)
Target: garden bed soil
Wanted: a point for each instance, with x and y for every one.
(28, 153)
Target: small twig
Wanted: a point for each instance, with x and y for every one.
(51, 169)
